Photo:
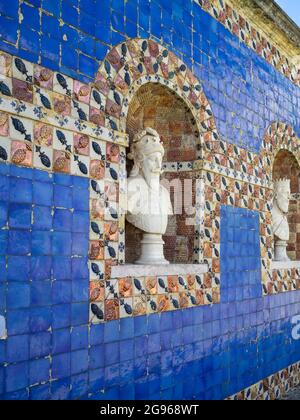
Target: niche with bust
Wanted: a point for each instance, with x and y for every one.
(156, 107)
(286, 207)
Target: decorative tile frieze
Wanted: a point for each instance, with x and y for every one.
(274, 387)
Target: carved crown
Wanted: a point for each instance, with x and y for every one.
(282, 183)
(146, 142)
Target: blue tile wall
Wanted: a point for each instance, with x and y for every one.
(201, 353)
(246, 93)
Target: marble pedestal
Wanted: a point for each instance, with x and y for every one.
(152, 250)
(280, 251)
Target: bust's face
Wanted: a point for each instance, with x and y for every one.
(283, 196)
(151, 167)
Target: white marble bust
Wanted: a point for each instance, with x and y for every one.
(148, 201)
(281, 230)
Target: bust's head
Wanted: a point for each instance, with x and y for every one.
(147, 153)
(282, 194)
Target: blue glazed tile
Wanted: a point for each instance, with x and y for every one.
(30, 17)
(42, 193)
(140, 326)
(101, 51)
(49, 49)
(51, 7)
(79, 361)
(50, 25)
(126, 372)
(113, 394)
(111, 331)
(3, 273)
(80, 269)
(112, 375)
(96, 380)
(61, 243)
(63, 196)
(69, 13)
(18, 322)
(8, 29)
(80, 244)
(40, 392)
(126, 350)
(40, 319)
(125, 329)
(41, 243)
(2, 380)
(39, 371)
(3, 213)
(20, 190)
(79, 338)
(21, 395)
(4, 187)
(17, 348)
(19, 172)
(61, 316)
(80, 182)
(87, 65)
(80, 314)
(80, 291)
(79, 385)
(18, 296)
(16, 377)
(62, 268)
(41, 293)
(62, 220)
(154, 323)
(42, 176)
(42, 218)
(96, 334)
(41, 268)
(19, 268)
(9, 9)
(61, 341)
(62, 179)
(140, 367)
(40, 345)
(20, 216)
(140, 346)
(96, 357)
(61, 366)
(111, 353)
(61, 292)
(81, 222)
(69, 59)
(61, 390)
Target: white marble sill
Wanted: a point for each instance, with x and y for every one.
(132, 270)
(285, 265)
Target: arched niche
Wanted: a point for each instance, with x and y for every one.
(286, 166)
(156, 106)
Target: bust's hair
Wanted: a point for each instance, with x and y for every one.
(136, 155)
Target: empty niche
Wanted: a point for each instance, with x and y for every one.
(158, 107)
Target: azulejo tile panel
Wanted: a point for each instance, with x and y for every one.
(36, 133)
(240, 27)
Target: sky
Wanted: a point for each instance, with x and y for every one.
(292, 8)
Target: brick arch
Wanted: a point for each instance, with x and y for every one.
(279, 136)
(134, 63)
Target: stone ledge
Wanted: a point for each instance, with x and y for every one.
(132, 270)
(285, 265)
